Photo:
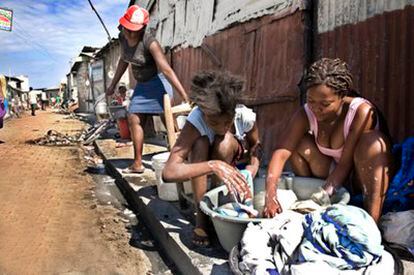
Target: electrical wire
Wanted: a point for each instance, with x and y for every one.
(32, 41)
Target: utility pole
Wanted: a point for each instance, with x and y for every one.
(100, 19)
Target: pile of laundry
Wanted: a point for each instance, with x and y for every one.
(55, 138)
(339, 239)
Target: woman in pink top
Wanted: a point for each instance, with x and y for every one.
(332, 135)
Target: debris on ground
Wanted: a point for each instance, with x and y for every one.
(55, 138)
(93, 160)
(86, 137)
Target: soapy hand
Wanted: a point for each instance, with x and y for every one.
(321, 197)
(330, 188)
(272, 206)
(231, 177)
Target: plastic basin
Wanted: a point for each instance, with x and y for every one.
(230, 229)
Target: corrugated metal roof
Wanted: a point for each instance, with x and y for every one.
(187, 22)
(336, 13)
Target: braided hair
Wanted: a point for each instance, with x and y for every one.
(216, 92)
(334, 73)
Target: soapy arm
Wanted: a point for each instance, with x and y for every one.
(178, 168)
(296, 129)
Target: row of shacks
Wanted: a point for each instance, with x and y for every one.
(18, 88)
(270, 43)
(92, 72)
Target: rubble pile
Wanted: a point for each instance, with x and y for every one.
(55, 138)
(92, 159)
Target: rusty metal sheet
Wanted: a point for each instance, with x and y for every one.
(380, 52)
(270, 54)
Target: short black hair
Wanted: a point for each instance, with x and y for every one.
(216, 92)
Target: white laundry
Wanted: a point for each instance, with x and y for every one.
(255, 249)
(286, 198)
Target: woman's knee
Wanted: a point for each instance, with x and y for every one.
(373, 163)
(133, 119)
(224, 148)
(371, 146)
(306, 147)
(308, 160)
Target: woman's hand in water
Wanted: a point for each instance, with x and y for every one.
(330, 187)
(272, 206)
(231, 177)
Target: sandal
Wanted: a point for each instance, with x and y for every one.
(130, 170)
(200, 237)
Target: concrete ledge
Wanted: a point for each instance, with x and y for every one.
(168, 226)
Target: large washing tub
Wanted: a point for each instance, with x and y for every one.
(230, 229)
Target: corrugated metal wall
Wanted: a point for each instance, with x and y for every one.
(188, 22)
(376, 38)
(269, 53)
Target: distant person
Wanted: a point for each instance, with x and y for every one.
(121, 96)
(53, 102)
(218, 135)
(3, 94)
(152, 72)
(337, 136)
(33, 100)
(58, 100)
(15, 106)
(43, 98)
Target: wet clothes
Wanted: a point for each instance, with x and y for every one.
(345, 237)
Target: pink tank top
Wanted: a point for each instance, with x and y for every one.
(313, 123)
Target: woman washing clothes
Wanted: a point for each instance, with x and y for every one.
(336, 137)
(219, 133)
(151, 71)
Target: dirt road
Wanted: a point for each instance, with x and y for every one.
(49, 221)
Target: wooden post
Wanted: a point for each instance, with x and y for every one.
(169, 121)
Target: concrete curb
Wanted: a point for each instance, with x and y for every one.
(167, 225)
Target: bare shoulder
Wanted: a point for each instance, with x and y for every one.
(365, 109)
(188, 135)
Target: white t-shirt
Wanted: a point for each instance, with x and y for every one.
(244, 120)
(33, 97)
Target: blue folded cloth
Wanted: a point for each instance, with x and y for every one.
(345, 237)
